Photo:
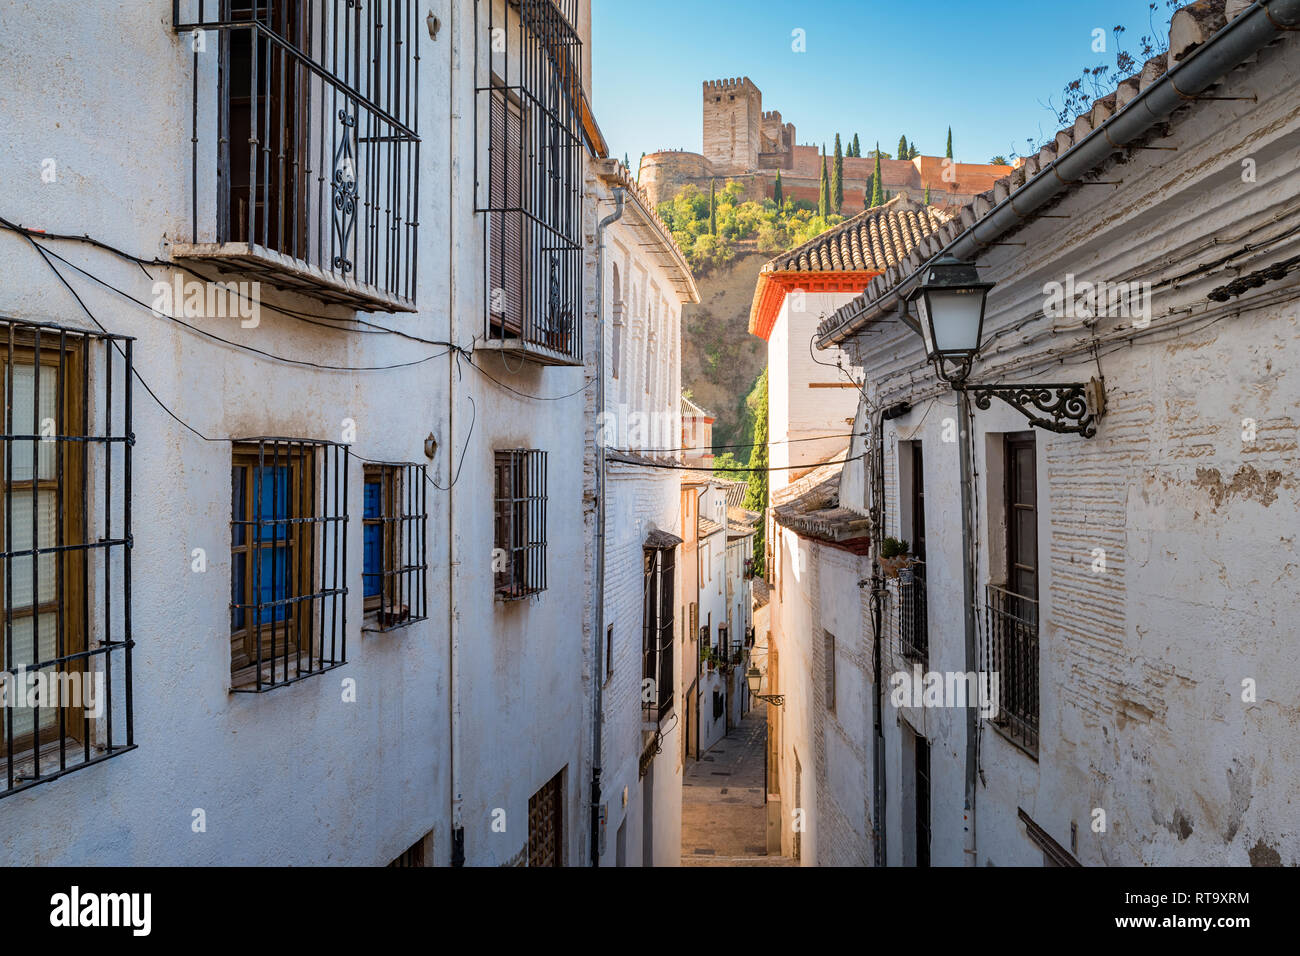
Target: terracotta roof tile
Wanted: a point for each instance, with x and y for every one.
(871, 240)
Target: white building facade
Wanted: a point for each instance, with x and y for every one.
(644, 283)
(359, 640)
(1142, 677)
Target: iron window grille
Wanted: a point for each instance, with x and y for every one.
(528, 106)
(1011, 652)
(65, 567)
(913, 629)
(288, 543)
(657, 629)
(305, 155)
(520, 525)
(722, 641)
(394, 522)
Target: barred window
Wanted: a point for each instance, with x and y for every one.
(829, 651)
(394, 520)
(520, 526)
(657, 630)
(65, 567)
(288, 544)
(304, 132)
(529, 105)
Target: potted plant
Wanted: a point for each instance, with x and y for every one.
(893, 557)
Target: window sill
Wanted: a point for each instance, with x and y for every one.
(75, 759)
(294, 275)
(511, 594)
(382, 622)
(1002, 731)
(534, 351)
(244, 680)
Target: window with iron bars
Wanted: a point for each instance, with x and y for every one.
(394, 522)
(1011, 652)
(305, 155)
(520, 526)
(657, 629)
(913, 633)
(288, 561)
(529, 181)
(65, 552)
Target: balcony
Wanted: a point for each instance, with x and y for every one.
(1011, 652)
(529, 190)
(304, 164)
(913, 633)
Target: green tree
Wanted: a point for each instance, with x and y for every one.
(756, 493)
(777, 195)
(627, 163)
(857, 146)
(837, 178)
(877, 184)
(927, 195)
(824, 190)
(949, 153)
(999, 160)
(713, 207)
(902, 148)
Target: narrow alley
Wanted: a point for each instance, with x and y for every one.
(724, 817)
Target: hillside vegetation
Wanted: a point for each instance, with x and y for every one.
(710, 227)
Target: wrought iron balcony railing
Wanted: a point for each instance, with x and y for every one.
(913, 633)
(528, 105)
(1011, 652)
(305, 157)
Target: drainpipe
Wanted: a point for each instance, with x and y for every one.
(453, 634)
(597, 677)
(1238, 41)
(967, 480)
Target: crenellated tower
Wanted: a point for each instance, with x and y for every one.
(733, 125)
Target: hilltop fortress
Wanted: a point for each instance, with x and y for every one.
(746, 144)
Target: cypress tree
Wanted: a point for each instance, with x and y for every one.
(837, 178)
(927, 195)
(902, 148)
(877, 185)
(912, 151)
(856, 147)
(713, 207)
(777, 195)
(824, 190)
(949, 153)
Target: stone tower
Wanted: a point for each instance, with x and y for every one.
(733, 118)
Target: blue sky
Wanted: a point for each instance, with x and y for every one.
(878, 69)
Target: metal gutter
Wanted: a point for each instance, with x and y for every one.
(1241, 38)
(598, 637)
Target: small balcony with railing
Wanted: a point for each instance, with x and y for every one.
(913, 631)
(304, 164)
(529, 177)
(1010, 651)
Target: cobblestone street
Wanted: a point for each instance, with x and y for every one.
(724, 819)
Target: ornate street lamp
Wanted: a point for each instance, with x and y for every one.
(754, 678)
(950, 305)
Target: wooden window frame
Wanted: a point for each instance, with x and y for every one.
(303, 554)
(72, 570)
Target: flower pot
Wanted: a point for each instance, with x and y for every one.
(891, 566)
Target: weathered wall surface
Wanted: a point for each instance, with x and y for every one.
(1166, 544)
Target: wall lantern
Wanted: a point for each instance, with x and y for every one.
(754, 677)
(950, 305)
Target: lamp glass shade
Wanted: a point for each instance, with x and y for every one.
(755, 680)
(953, 318)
